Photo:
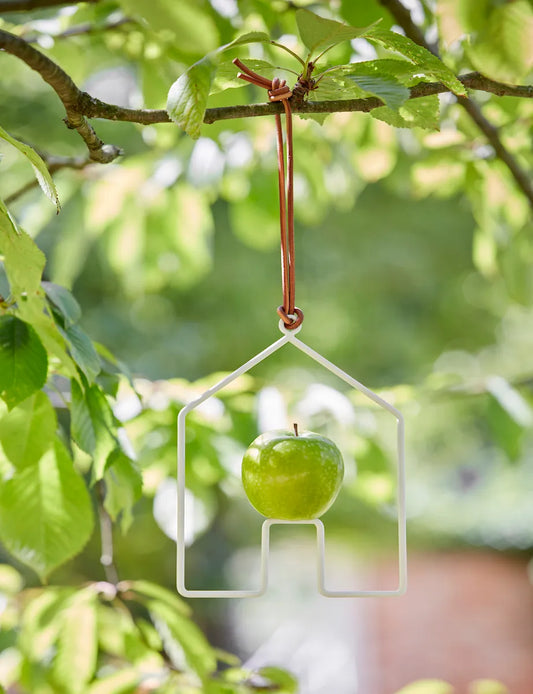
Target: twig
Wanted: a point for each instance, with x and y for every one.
(53, 164)
(27, 5)
(106, 536)
(403, 17)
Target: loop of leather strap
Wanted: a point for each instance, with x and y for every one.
(278, 90)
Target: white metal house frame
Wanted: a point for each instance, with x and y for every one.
(290, 337)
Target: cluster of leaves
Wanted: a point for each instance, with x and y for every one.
(105, 639)
(387, 78)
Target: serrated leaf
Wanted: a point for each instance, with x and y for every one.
(23, 361)
(28, 431)
(63, 301)
(318, 33)
(39, 167)
(428, 63)
(40, 622)
(45, 512)
(187, 98)
(82, 351)
(387, 89)
(92, 425)
(422, 112)
(23, 261)
(198, 653)
(77, 645)
(123, 482)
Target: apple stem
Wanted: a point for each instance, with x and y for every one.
(295, 429)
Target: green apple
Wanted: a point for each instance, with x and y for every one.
(292, 476)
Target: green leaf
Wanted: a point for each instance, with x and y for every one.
(82, 351)
(23, 361)
(422, 112)
(187, 98)
(198, 653)
(92, 425)
(123, 487)
(28, 431)
(503, 49)
(284, 681)
(41, 621)
(146, 589)
(122, 682)
(77, 646)
(318, 33)
(45, 512)
(23, 261)
(63, 301)
(387, 89)
(39, 167)
(428, 63)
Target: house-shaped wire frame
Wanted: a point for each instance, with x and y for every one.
(290, 337)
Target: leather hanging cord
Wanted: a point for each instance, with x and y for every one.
(278, 90)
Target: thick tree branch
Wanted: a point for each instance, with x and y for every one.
(71, 97)
(403, 18)
(80, 106)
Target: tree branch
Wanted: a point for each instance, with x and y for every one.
(27, 5)
(80, 106)
(53, 164)
(69, 94)
(107, 558)
(403, 17)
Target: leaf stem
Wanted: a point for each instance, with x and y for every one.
(285, 48)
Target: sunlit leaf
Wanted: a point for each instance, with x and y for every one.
(77, 646)
(187, 97)
(122, 682)
(45, 512)
(28, 431)
(23, 261)
(318, 33)
(198, 653)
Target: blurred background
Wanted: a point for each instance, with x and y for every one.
(414, 271)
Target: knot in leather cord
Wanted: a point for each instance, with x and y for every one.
(278, 90)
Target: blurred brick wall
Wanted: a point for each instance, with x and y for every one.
(466, 615)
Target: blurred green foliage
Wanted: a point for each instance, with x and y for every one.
(414, 271)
